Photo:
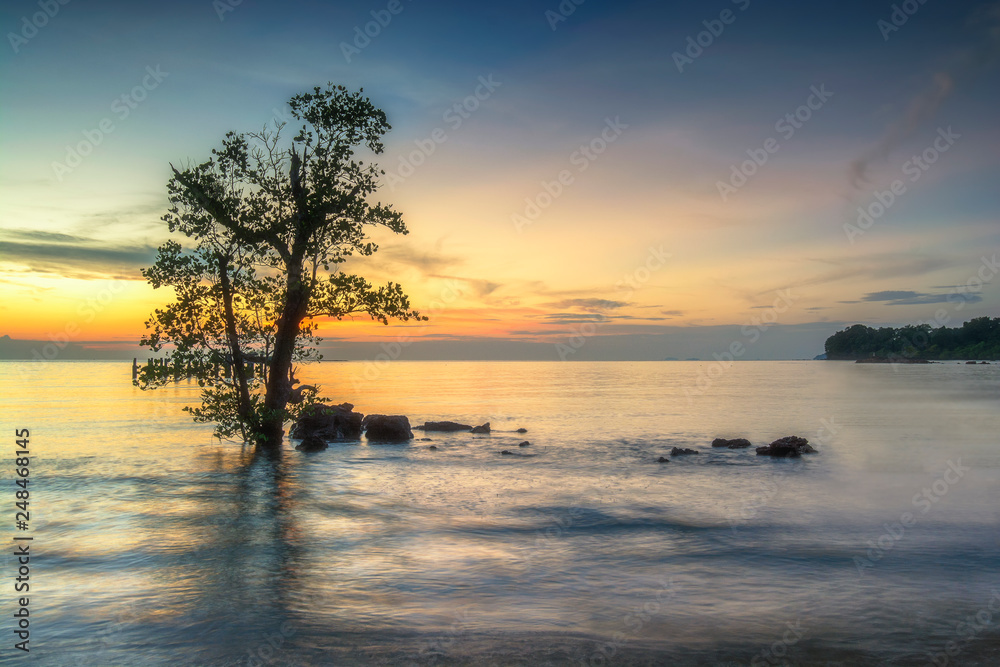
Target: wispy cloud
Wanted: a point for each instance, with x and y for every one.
(73, 256)
(911, 298)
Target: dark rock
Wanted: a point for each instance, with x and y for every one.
(663, 459)
(330, 422)
(736, 443)
(311, 443)
(444, 427)
(484, 429)
(521, 430)
(425, 440)
(433, 448)
(787, 447)
(507, 453)
(525, 444)
(387, 428)
(679, 451)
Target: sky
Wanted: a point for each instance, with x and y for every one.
(581, 180)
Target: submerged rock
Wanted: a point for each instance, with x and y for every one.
(736, 443)
(387, 428)
(789, 446)
(680, 451)
(433, 448)
(521, 430)
(330, 422)
(444, 427)
(311, 444)
(525, 444)
(506, 452)
(484, 429)
(663, 459)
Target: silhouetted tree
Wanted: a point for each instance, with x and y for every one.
(269, 222)
(978, 338)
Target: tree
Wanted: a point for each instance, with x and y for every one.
(270, 221)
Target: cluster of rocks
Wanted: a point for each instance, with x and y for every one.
(787, 447)
(320, 424)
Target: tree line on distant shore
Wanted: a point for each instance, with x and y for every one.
(978, 338)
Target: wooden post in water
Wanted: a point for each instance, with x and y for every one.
(135, 368)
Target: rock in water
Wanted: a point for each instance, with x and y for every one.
(663, 459)
(445, 427)
(525, 444)
(679, 451)
(330, 422)
(521, 430)
(387, 428)
(737, 443)
(312, 443)
(506, 453)
(787, 447)
(484, 429)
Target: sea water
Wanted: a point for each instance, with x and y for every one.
(156, 544)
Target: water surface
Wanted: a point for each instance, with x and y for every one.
(157, 544)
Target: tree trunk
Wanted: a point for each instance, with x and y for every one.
(279, 386)
(235, 350)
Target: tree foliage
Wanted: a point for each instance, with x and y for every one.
(268, 223)
(978, 338)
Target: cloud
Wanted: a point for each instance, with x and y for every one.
(921, 108)
(73, 256)
(575, 318)
(911, 298)
(592, 305)
(925, 104)
(429, 262)
(480, 287)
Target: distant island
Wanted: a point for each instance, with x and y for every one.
(978, 338)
